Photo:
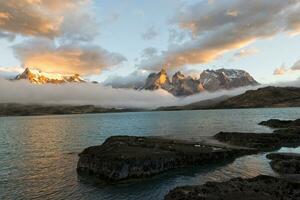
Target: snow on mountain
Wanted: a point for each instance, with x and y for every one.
(210, 80)
(38, 77)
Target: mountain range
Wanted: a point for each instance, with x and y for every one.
(210, 80)
(178, 85)
(38, 77)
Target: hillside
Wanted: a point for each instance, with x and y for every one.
(34, 110)
(267, 97)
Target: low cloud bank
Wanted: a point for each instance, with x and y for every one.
(99, 95)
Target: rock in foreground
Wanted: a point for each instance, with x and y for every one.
(258, 188)
(126, 157)
(285, 163)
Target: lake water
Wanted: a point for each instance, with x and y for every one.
(38, 155)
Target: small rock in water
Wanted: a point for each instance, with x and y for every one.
(285, 163)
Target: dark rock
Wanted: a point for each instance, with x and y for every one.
(126, 157)
(276, 123)
(258, 188)
(262, 141)
(285, 163)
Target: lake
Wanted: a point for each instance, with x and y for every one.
(38, 155)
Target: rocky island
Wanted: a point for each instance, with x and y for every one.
(129, 157)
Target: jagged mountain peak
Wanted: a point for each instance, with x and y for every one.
(210, 80)
(36, 76)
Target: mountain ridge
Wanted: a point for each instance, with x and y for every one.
(38, 77)
(210, 80)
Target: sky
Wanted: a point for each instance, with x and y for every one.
(119, 40)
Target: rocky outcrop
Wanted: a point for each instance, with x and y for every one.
(285, 163)
(258, 188)
(276, 123)
(39, 77)
(125, 157)
(210, 80)
(262, 141)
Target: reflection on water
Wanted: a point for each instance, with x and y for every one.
(38, 155)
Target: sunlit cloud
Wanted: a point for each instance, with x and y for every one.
(66, 59)
(223, 26)
(41, 18)
(246, 52)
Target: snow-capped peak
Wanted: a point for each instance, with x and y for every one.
(38, 77)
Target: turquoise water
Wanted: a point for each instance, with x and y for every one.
(38, 155)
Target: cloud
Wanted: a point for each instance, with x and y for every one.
(10, 72)
(150, 34)
(246, 52)
(10, 37)
(43, 18)
(96, 94)
(149, 52)
(134, 80)
(66, 59)
(296, 66)
(283, 69)
(221, 26)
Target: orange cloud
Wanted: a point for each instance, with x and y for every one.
(36, 17)
(223, 26)
(66, 59)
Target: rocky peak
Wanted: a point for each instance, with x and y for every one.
(158, 81)
(177, 77)
(210, 80)
(38, 77)
(213, 80)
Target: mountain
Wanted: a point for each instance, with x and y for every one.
(210, 80)
(225, 79)
(267, 97)
(39, 77)
(158, 81)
